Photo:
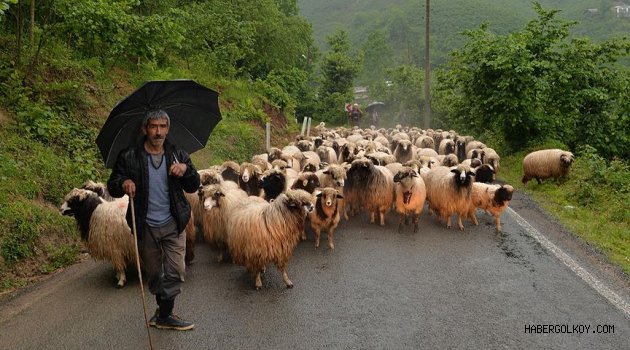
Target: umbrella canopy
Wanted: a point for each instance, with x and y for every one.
(192, 108)
(374, 106)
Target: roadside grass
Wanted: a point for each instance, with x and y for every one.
(593, 201)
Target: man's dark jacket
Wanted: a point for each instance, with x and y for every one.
(132, 164)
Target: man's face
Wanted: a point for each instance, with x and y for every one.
(156, 131)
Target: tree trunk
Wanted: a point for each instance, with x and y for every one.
(31, 32)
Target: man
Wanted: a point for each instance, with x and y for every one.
(355, 114)
(154, 174)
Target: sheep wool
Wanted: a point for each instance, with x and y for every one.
(547, 163)
(494, 199)
(410, 196)
(263, 233)
(326, 214)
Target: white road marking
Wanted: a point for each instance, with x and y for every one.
(596, 284)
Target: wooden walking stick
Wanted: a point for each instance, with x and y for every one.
(144, 300)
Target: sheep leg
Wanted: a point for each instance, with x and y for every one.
(258, 280)
(120, 276)
(449, 224)
(538, 180)
(473, 217)
(400, 222)
(318, 232)
(285, 277)
(382, 215)
(497, 220)
(331, 245)
(372, 217)
(459, 222)
(304, 235)
(220, 257)
(416, 219)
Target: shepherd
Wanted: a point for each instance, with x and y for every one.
(355, 115)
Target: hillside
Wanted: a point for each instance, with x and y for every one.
(403, 21)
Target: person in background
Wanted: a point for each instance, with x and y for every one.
(155, 175)
(355, 115)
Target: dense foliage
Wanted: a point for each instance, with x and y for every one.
(536, 84)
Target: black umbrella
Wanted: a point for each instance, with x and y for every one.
(193, 110)
(375, 106)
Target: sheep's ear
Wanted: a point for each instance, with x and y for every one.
(327, 172)
(471, 173)
(414, 173)
(339, 196)
(455, 171)
(397, 177)
(319, 195)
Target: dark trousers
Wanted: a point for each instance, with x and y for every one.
(163, 250)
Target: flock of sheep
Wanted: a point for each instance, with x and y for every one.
(255, 213)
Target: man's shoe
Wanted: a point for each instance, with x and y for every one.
(173, 322)
(154, 317)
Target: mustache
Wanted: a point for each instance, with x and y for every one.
(158, 137)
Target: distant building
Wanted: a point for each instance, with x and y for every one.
(621, 10)
(591, 12)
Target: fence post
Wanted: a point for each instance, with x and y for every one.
(268, 136)
(308, 128)
(303, 126)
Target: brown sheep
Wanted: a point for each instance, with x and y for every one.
(326, 215)
(494, 199)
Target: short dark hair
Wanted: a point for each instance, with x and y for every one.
(156, 114)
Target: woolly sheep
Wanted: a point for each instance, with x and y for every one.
(263, 233)
(103, 228)
(404, 151)
(447, 146)
(485, 173)
(494, 199)
(249, 179)
(306, 181)
(230, 171)
(490, 156)
(547, 163)
(410, 196)
(371, 187)
(326, 214)
(448, 192)
(474, 145)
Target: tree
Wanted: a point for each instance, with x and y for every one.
(338, 72)
(377, 57)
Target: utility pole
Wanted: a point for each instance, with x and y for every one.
(427, 68)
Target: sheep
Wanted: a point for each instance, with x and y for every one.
(381, 158)
(448, 192)
(103, 228)
(334, 176)
(261, 161)
(306, 181)
(273, 182)
(326, 214)
(217, 202)
(327, 154)
(476, 153)
(547, 163)
(490, 156)
(249, 178)
(425, 142)
(450, 160)
(472, 163)
(410, 195)
(230, 171)
(485, 173)
(460, 147)
(305, 145)
(263, 233)
(210, 176)
(273, 154)
(369, 186)
(404, 151)
(429, 152)
(447, 146)
(474, 145)
(494, 199)
(99, 188)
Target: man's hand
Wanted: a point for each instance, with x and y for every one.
(129, 187)
(178, 169)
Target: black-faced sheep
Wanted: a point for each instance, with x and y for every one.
(448, 192)
(410, 196)
(326, 214)
(371, 187)
(404, 151)
(230, 171)
(263, 233)
(103, 228)
(494, 199)
(306, 181)
(447, 146)
(273, 182)
(547, 163)
(485, 173)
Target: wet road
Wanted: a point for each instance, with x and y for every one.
(379, 289)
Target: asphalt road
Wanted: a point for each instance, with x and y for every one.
(378, 289)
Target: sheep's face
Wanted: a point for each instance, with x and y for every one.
(475, 162)
(503, 194)
(566, 159)
(405, 173)
(299, 200)
(210, 196)
(463, 178)
(74, 200)
(449, 147)
(404, 146)
(328, 197)
(304, 145)
(279, 164)
(450, 160)
(250, 172)
(338, 174)
(309, 167)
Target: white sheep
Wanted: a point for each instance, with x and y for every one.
(263, 233)
(448, 192)
(326, 214)
(494, 199)
(103, 228)
(410, 196)
(547, 163)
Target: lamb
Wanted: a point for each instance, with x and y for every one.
(263, 233)
(334, 176)
(217, 203)
(326, 214)
(410, 196)
(448, 192)
(547, 163)
(494, 199)
(369, 186)
(103, 228)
